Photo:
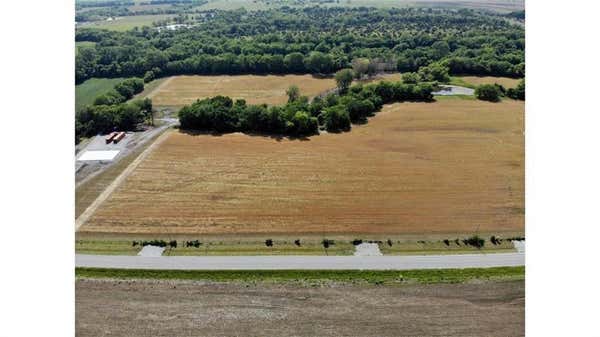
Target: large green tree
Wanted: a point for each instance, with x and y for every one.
(344, 78)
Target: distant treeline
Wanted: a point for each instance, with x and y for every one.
(110, 111)
(299, 116)
(309, 40)
(516, 15)
(100, 13)
(107, 3)
(173, 2)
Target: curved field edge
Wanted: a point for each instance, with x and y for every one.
(418, 276)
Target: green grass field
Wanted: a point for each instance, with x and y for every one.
(127, 22)
(86, 92)
(83, 44)
(314, 276)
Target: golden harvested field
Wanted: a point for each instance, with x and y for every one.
(506, 82)
(270, 89)
(178, 91)
(453, 166)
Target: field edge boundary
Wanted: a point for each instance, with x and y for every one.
(83, 217)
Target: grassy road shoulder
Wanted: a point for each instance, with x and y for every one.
(425, 276)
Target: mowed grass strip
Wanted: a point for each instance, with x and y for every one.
(259, 248)
(453, 166)
(440, 248)
(105, 247)
(215, 248)
(100, 246)
(422, 276)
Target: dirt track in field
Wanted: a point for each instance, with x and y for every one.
(179, 308)
(453, 166)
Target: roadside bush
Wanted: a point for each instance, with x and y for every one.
(173, 243)
(326, 243)
(495, 241)
(457, 242)
(194, 243)
(389, 242)
(356, 242)
(474, 241)
(488, 92)
(447, 242)
(159, 243)
(297, 242)
(269, 243)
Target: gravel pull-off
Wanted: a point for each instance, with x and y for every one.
(367, 249)
(151, 251)
(451, 90)
(519, 246)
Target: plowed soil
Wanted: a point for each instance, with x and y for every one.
(180, 308)
(453, 166)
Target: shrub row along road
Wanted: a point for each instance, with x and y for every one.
(302, 262)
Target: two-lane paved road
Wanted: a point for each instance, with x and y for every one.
(302, 262)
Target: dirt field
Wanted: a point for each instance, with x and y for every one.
(454, 166)
(186, 308)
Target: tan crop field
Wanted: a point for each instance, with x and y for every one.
(453, 166)
(506, 82)
(255, 89)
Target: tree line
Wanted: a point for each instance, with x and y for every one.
(299, 117)
(308, 40)
(111, 111)
(494, 92)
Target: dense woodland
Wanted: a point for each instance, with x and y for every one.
(308, 40)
